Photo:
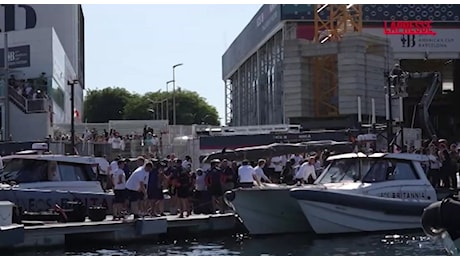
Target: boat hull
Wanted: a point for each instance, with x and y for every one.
(34, 200)
(269, 211)
(333, 213)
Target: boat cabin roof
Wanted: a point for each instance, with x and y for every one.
(54, 157)
(397, 156)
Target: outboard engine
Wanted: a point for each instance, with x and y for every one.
(440, 221)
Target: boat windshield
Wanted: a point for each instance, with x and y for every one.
(20, 171)
(345, 170)
(32, 170)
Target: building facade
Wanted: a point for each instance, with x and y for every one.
(262, 87)
(45, 50)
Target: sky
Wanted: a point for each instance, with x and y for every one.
(135, 46)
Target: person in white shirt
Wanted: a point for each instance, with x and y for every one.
(259, 171)
(200, 198)
(277, 163)
(187, 163)
(119, 189)
(306, 170)
(136, 186)
(246, 175)
(115, 141)
(112, 168)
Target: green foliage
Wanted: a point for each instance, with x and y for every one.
(117, 103)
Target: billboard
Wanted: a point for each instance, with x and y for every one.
(18, 57)
(66, 19)
(445, 40)
(443, 15)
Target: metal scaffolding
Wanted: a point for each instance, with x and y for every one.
(341, 18)
(254, 93)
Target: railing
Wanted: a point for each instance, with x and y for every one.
(18, 99)
(28, 105)
(37, 105)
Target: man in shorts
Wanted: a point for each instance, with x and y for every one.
(119, 189)
(136, 186)
(214, 181)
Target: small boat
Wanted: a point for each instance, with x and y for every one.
(270, 209)
(37, 182)
(366, 193)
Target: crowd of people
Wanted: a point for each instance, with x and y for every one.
(148, 139)
(443, 166)
(30, 88)
(141, 188)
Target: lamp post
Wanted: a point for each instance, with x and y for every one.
(71, 83)
(174, 91)
(167, 99)
(6, 89)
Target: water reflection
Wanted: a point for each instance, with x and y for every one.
(296, 245)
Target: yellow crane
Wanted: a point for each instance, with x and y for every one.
(331, 22)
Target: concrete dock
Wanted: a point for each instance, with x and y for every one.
(58, 234)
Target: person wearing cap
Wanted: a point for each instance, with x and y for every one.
(214, 180)
(306, 171)
(246, 175)
(119, 190)
(259, 170)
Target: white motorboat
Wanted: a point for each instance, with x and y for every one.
(367, 193)
(268, 209)
(37, 182)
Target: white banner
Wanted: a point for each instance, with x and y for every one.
(445, 40)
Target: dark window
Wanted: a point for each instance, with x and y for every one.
(403, 170)
(23, 171)
(378, 172)
(70, 172)
(386, 170)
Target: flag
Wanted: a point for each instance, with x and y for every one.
(76, 114)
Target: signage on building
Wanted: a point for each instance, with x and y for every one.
(445, 40)
(18, 57)
(408, 28)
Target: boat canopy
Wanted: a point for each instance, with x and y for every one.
(276, 149)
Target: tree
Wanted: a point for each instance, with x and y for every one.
(106, 104)
(191, 108)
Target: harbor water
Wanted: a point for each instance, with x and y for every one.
(299, 245)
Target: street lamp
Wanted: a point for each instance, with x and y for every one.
(71, 83)
(167, 99)
(174, 91)
(153, 113)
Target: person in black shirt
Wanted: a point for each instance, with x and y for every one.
(228, 176)
(214, 177)
(183, 184)
(288, 173)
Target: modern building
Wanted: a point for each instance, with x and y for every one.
(269, 74)
(45, 46)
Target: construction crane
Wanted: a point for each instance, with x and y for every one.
(331, 22)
